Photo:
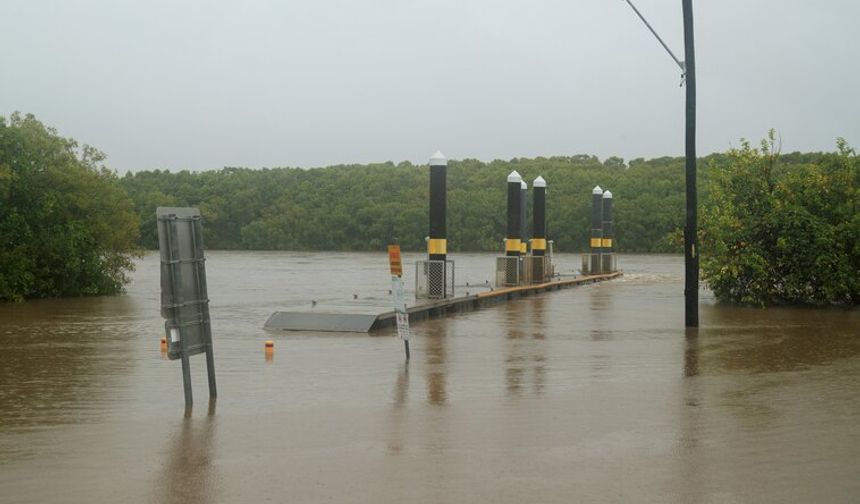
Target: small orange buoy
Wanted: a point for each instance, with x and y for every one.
(163, 344)
(270, 345)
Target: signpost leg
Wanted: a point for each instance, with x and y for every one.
(186, 380)
(210, 370)
(200, 280)
(406, 345)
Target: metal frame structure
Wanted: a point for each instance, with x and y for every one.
(434, 279)
(184, 298)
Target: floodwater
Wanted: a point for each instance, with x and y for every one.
(591, 394)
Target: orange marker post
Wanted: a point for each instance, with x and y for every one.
(270, 350)
(394, 262)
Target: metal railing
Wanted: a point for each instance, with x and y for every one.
(549, 253)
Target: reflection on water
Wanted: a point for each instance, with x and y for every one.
(189, 476)
(599, 304)
(525, 345)
(396, 417)
(514, 367)
(401, 388)
(590, 394)
(691, 353)
(691, 456)
(539, 356)
(435, 362)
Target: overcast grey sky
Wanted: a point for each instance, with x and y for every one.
(205, 84)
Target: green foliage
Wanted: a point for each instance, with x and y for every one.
(775, 232)
(66, 225)
(775, 228)
(362, 207)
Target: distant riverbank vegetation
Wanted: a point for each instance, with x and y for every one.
(361, 207)
(775, 228)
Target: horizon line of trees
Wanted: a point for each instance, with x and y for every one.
(775, 228)
(363, 207)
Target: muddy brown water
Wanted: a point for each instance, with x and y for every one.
(592, 394)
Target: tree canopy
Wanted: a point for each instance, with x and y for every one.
(777, 232)
(362, 207)
(67, 227)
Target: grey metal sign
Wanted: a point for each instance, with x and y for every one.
(184, 300)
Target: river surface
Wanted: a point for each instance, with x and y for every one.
(591, 394)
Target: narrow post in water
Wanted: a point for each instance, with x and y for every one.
(539, 217)
(186, 380)
(596, 228)
(512, 238)
(200, 279)
(513, 231)
(691, 256)
(437, 245)
(540, 265)
(524, 226)
(401, 315)
(607, 245)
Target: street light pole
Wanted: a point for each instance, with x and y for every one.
(691, 254)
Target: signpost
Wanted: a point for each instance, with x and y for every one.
(396, 266)
(184, 300)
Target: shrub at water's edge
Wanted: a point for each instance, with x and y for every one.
(67, 227)
(775, 233)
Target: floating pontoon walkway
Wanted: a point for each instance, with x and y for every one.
(368, 321)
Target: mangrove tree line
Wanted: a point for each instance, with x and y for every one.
(67, 227)
(361, 207)
(775, 228)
